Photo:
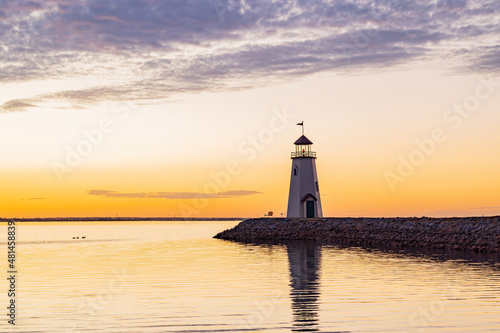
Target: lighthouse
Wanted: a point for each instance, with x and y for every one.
(304, 199)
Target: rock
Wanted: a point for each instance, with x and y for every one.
(473, 234)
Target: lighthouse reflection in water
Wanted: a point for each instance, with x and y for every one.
(304, 259)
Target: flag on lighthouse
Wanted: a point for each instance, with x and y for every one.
(301, 124)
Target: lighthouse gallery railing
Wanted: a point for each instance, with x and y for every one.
(304, 154)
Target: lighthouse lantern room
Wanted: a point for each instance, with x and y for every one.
(304, 198)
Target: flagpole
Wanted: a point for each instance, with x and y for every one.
(301, 124)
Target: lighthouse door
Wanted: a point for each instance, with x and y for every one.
(309, 209)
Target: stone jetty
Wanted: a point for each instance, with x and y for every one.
(479, 234)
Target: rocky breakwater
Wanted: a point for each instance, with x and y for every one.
(480, 234)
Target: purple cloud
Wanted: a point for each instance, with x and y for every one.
(171, 195)
(161, 48)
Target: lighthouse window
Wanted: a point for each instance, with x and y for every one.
(317, 186)
(303, 150)
(295, 171)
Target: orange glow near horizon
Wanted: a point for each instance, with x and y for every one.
(153, 161)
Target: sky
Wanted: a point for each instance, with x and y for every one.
(189, 108)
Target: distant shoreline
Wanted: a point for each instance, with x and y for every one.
(477, 234)
(119, 219)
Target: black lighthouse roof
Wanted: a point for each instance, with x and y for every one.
(303, 141)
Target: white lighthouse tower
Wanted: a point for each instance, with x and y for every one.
(304, 199)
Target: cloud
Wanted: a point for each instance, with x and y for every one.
(17, 105)
(172, 195)
(153, 50)
(490, 60)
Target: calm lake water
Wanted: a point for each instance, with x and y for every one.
(173, 277)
